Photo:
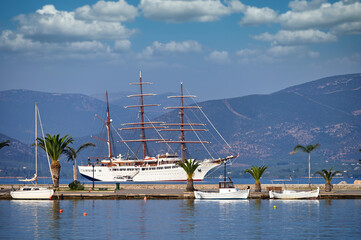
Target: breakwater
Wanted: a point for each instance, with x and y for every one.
(177, 191)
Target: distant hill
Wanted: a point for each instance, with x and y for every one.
(72, 114)
(263, 129)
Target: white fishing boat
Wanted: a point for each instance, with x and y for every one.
(226, 190)
(33, 191)
(147, 168)
(290, 194)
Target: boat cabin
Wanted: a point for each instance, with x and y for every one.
(227, 184)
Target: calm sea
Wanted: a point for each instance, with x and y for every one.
(180, 219)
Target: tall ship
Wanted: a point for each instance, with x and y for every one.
(146, 168)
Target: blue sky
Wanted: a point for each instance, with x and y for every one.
(219, 49)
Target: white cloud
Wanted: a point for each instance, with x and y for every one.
(303, 5)
(247, 52)
(256, 16)
(188, 11)
(14, 42)
(285, 37)
(291, 51)
(122, 45)
(107, 11)
(186, 46)
(327, 15)
(352, 28)
(170, 47)
(49, 24)
(11, 41)
(220, 57)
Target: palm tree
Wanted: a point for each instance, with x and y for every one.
(256, 173)
(189, 167)
(4, 144)
(308, 149)
(54, 146)
(72, 155)
(328, 175)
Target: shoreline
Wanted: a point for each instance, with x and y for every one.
(177, 191)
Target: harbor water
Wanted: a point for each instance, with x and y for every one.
(181, 219)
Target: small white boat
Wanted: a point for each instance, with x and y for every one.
(34, 191)
(226, 191)
(289, 194)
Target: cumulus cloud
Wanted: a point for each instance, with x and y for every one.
(247, 52)
(158, 48)
(189, 11)
(11, 41)
(220, 57)
(122, 45)
(256, 16)
(16, 43)
(119, 11)
(52, 25)
(303, 5)
(326, 15)
(171, 47)
(297, 37)
(186, 46)
(287, 51)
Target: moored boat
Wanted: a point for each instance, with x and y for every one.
(290, 194)
(226, 191)
(33, 191)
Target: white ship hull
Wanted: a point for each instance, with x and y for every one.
(32, 193)
(166, 172)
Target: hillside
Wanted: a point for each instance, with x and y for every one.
(263, 129)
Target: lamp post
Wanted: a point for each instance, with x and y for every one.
(93, 175)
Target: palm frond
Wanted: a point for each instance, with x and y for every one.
(327, 175)
(54, 145)
(4, 144)
(189, 166)
(256, 172)
(85, 145)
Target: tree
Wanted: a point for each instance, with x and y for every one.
(72, 155)
(4, 144)
(308, 149)
(256, 173)
(189, 167)
(54, 146)
(328, 175)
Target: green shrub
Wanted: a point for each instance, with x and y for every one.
(75, 185)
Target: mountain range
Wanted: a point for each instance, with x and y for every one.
(262, 129)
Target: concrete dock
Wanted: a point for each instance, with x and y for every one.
(177, 191)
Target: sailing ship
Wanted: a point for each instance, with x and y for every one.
(33, 191)
(162, 167)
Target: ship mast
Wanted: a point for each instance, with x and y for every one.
(107, 124)
(182, 125)
(142, 124)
